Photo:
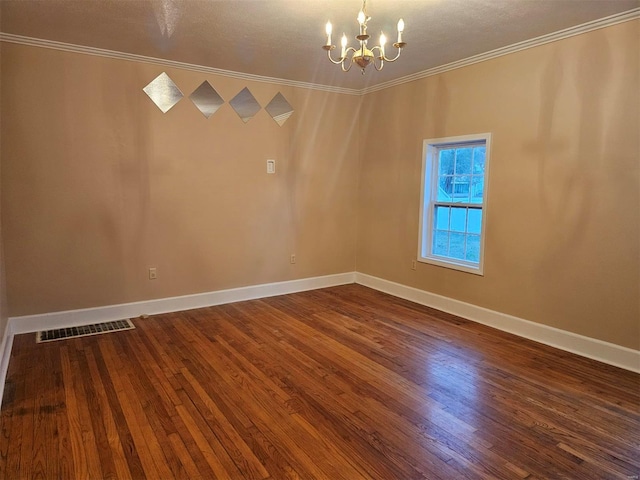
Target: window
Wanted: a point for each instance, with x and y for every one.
(453, 208)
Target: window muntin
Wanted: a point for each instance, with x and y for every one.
(452, 213)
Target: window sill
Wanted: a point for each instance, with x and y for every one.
(453, 265)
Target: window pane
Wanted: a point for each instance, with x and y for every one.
(458, 219)
(463, 161)
(477, 189)
(441, 243)
(456, 245)
(442, 218)
(478, 160)
(473, 248)
(445, 189)
(474, 220)
(446, 162)
(461, 188)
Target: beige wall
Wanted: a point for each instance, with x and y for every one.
(3, 287)
(562, 238)
(98, 185)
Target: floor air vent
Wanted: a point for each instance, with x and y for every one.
(83, 330)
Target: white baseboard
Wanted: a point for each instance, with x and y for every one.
(605, 352)
(5, 355)
(609, 353)
(72, 318)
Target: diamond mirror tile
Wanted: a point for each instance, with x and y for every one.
(206, 99)
(163, 92)
(279, 109)
(245, 105)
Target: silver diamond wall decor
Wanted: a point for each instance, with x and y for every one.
(245, 105)
(279, 109)
(206, 99)
(163, 92)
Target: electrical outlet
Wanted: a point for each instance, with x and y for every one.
(293, 258)
(153, 273)
(271, 166)
(413, 264)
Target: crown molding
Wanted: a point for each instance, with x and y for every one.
(100, 52)
(499, 52)
(516, 47)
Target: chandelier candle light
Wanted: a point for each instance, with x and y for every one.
(363, 56)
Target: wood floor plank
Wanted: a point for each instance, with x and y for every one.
(252, 400)
(75, 430)
(64, 463)
(302, 367)
(97, 418)
(218, 460)
(134, 465)
(282, 398)
(226, 433)
(260, 446)
(157, 423)
(132, 411)
(103, 414)
(409, 464)
(368, 434)
(191, 471)
(29, 416)
(45, 439)
(11, 420)
(339, 383)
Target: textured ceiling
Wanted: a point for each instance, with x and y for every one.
(282, 38)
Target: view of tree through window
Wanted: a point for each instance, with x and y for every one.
(460, 180)
(452, 212)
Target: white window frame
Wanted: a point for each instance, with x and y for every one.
(428, 197)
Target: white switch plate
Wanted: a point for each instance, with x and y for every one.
(271, 166)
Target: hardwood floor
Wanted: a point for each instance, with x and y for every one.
(344, 382)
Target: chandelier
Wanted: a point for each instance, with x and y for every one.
(363, 56)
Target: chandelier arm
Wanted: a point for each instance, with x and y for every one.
(346, 55)
(394, 58)
(350, 49)
(350, 64)
(380, 57)
(337, 62)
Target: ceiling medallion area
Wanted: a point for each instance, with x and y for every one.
(165, 94)
(363, 56)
